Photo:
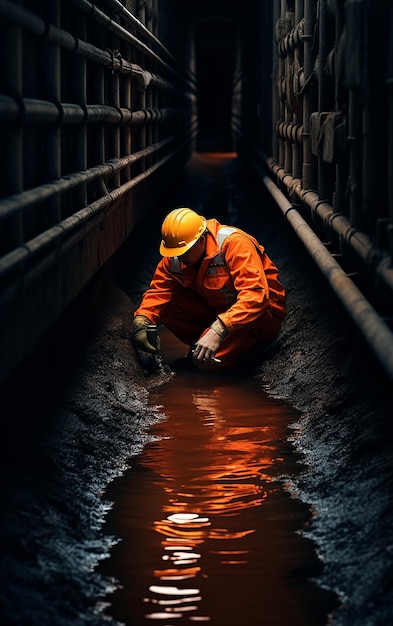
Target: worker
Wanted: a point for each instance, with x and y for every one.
(215, 289)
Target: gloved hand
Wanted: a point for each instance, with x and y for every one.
(139, 331)
(208, 344)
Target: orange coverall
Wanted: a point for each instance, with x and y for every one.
(237, 283)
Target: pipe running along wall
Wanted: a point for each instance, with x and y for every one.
(377, 334)
(330, 157)
(95, 114)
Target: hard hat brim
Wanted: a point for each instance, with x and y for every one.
(171, 252)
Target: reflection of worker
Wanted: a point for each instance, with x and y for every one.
(215, 288)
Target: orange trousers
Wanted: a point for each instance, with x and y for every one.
(188, 316)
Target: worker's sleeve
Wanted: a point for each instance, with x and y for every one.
(249, 281)
(162, 287)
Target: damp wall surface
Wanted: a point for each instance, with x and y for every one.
(91, 427)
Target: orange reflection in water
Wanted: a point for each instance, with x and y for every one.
(217, 464)
(208, 531)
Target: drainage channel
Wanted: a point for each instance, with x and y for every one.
(209, 528)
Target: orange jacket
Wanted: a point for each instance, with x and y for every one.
(237, 280)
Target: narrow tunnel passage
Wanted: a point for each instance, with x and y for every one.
(55, 483)
(210, 482)
(83, 160)
(319, 363)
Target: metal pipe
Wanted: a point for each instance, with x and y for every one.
(149, 129)
(120, 32)
(324, 169)
(111, 60)
(290, 131)
(356, 240)
(113, 95)
(291, 41)
(353, 80)
(337, 222)
(281, 26)
(19, 202)
(140, 143)
(297, 148)
(41, 112)
(126, 134)
(14, 164)
(81, 221)
(377, 334)
(97, 139)
(52, 154)
(339, 194)
(275, 90)
(288, 115)
(371, 176)
(79, 79)
(308, 170)
(136, 24)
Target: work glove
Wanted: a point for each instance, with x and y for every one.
(140, 339)
(203, 354)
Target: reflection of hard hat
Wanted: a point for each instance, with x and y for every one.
(180, 230)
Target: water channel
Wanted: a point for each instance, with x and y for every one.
(209, 528)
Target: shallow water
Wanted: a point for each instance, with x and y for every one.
(209, 530)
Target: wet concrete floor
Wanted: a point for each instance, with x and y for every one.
(207, 521)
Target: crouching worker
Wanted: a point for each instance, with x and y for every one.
(215, 288)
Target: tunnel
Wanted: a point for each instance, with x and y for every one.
(133, 494)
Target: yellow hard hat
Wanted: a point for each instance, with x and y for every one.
(180, 230)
